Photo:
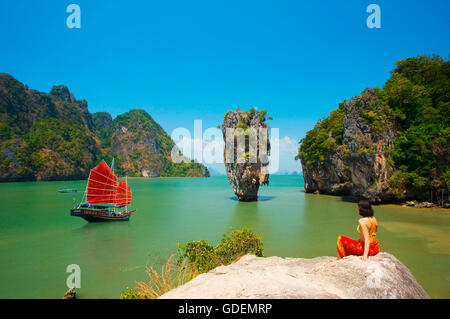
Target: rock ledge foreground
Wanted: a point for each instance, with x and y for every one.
(383, 276)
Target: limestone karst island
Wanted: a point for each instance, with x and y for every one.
(224, 151)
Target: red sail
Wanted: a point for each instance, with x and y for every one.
(102, 185)
(123, 194)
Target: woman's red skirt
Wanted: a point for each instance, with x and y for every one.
(347, 246)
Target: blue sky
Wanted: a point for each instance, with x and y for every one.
(188, 60)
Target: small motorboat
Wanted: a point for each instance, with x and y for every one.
(68, 190)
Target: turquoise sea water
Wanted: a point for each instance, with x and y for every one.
(39, 238)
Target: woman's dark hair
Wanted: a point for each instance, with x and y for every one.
(365, 209)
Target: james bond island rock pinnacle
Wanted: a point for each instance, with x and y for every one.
(246, 152)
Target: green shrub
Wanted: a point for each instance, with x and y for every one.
(243, 126)
(364, 150)
(344, 148)
(132, 294)
(206, 257)
(200, 253)
(237, 244)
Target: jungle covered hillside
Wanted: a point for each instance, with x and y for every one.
(55, 137)
(387, 144)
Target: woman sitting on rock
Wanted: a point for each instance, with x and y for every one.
(367, 245)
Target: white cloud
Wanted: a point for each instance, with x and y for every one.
(288, 150)
(288, 145)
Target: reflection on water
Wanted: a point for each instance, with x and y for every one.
(39, 238)
(260, 198)
(247, 213)
(104, 250)
(437, 239)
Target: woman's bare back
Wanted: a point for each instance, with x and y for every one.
(371, 225)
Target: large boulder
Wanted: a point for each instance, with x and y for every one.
(382, 276)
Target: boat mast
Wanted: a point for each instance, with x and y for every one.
(126, 182)
(112, 168)
(85, 190)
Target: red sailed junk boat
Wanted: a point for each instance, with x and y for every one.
(106, 199)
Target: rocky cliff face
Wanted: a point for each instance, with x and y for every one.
(381, 277)
(387, 144)
(55, 137)
(44, 136)
(355, 161)
(102, 120)
(246, 163)
(62, 93)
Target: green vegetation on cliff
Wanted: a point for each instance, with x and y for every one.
(54, 137)
(42, 136)
(416, 99)
(419, 95)
(326, 133)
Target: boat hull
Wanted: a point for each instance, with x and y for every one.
(95, 216)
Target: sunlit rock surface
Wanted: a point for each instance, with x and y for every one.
(382, 276)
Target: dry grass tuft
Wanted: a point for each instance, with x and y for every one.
(172, 275)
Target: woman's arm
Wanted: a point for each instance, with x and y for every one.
(365, 233)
